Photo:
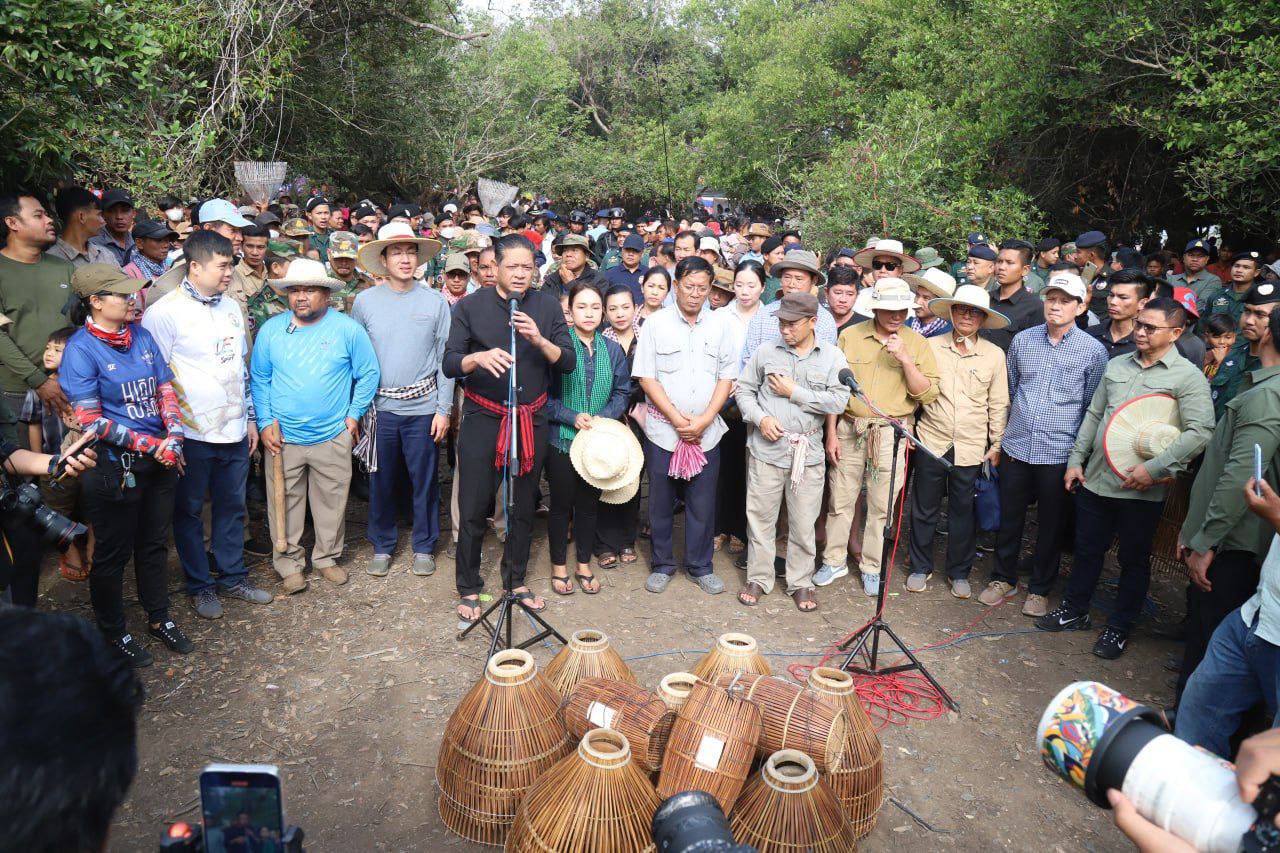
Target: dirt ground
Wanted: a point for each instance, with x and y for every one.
(348, 688)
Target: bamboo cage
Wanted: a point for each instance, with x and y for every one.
(712, 744)
(639, 714)
(588, 654)
(504, 734)
(732, 653)
(793, 717)
(857, 779)
(674, 688)
(788, 807)
(595, 800)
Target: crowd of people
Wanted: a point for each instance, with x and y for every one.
(227, 355)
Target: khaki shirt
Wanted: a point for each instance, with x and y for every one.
(1124, 380)
(817, 393)
(880, 375)
(246, 284)
(94, 253)
(972, 405)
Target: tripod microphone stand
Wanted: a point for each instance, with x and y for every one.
(870, 633)
(500, 610)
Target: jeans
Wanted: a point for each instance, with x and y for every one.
(404, 439)
(571, 498)
(218, 471)
(1022, 484)
(932, 481)
(1234, 578)
(1239, 670)
(1099, 521)
(699, 511)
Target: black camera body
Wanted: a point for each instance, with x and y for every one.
(24, 502)
(693, 822)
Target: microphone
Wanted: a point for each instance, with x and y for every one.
(849, 380)
(513, 305)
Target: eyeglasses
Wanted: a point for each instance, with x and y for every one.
(884, 265)
(1139, 326)
(127, 297)
(965, 310)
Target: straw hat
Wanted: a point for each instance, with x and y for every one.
(891, 294)
(1140, 429)
(934, 281)
(893, 248)
(304, 272)
(974, 297)
(370, 256)
(607, 456)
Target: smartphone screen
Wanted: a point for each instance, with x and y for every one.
(1257, 469)
(242, 808)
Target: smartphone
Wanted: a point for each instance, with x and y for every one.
(242, 807)
(1257, 470)
(89, 439)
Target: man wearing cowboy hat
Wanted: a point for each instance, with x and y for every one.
(798, 272)
(886, 259)
(1123, 496)
(929, 284)
(1195, 257)
(572, 260)
(1010, 295)
(896, 370)
(314, 373)
(963, 425)
(408, 325)
(786, 391)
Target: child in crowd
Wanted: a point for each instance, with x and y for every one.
(1219, 337)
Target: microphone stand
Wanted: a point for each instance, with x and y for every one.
(499, 629)
(870, 633)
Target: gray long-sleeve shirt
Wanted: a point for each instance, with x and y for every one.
(818, 393)
(409, 330)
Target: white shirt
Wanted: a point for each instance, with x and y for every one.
(205, 346)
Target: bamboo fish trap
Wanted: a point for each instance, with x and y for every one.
(259, 180)
(638, 714)
(504, 734)
(857, 779)
(595, 800)
(732, 653)
(788, 807)
(588, 654)
(793, 717)
(712, 744)
(674, 688)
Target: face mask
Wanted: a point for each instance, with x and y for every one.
(450, 231)
(174, 214)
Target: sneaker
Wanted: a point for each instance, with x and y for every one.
(827, 573)
(870, 584)
(996, 592)
(257, 546)
(130, 648)
(917, 582)
(171, 635)
(1111, 643)
(424, 565)
(710, 584)
(207, 604)
(657, 581)
(334, 574)
(960, 588)
(293, 584)
(246, 591)
(379, 566)
(1035, 605)
(1063, 618)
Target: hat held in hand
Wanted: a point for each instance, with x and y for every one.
(608, 457)
(1139, 430)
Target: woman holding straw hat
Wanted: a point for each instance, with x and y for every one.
(595, 391)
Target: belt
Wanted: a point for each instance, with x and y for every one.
(799, 442)
(524, 417)
(366, 448)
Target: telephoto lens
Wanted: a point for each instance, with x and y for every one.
(692, 822)
(56, 529)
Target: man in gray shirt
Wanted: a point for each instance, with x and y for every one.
(409, 325)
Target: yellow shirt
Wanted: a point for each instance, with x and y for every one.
(880, 375)
(972, 405)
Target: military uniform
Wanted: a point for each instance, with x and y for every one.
(1223, 300)
(1225, 384)
(341, 298)
(264, 305)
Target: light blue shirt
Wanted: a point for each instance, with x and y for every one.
(1265, 603)
(302, 376)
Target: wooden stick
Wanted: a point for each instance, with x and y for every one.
(277, 494)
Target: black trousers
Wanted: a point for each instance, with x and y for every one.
(932, 482)
(1099, 522)
(129, 523)
(731, 483)
(1234, 578)
(1022, 484)
(20, 555)
(478, 481)
(572, 499)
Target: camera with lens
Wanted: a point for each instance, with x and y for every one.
(23, 501)
(693, 822)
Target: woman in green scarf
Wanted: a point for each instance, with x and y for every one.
(598, 387)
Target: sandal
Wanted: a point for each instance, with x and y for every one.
(585, 579)
(628, 556)
(468, 603)
(526, 597)
(736, 545)
(754, 591)
(607, 561)
(567, 589)
(70, 572)
(803, 597)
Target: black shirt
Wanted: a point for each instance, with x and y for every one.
(1024, 310)
(482, 321)
(1189, 346)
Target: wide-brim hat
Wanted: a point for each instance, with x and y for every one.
(571, 241)
(622, 495)
(974, 297)
(891, 294)
(759, 229)
(800, 259)
(928, 257)
(304, 272)
(894, 248)
(1140, 429)
(607, 456)
(935, 281)
(370, 255)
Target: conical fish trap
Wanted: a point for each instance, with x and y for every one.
(593, 801)
(732, 653)
(503, 735)
(857, 779)
(788, 807)
(712, 744)
(260, 180)
(674, 688)
(793, 717)
(639, 714)
(495, 195)
(586, 655)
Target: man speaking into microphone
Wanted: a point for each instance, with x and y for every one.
(479, 352)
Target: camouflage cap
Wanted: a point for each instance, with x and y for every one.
(282, 249)
(470, 242)
(296, 227)
(343, 244)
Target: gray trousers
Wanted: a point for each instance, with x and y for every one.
(768, 487)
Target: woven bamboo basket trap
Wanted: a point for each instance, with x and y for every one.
(732, 653)
(793, 717)
(588, 654)
(857, 778)
(712, 744)
(639, 714)
(674, 688)
(787, 807)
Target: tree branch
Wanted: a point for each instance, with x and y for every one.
(424, 25)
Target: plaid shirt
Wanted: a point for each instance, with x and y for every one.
(1050, 388)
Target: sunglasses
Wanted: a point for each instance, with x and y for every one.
(884, 265)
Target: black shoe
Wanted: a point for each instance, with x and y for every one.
(1063, 618)
(1111, 643)
(171, 635)
(255, 492)
(131, 649)
(257, 546)
(986, 541)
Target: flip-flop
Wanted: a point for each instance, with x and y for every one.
(628, 556)
(564, 580)
(752, 589)
(467, 602)
(527, 596)
(584, 579)
(607, 561)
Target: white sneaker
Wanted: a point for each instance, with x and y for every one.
(827, 573)
(870, 584)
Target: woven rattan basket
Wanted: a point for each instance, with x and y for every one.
(732, 653)
(638, 714)
(712, 744)
(674, 688)
(588, 654)
(793, 717)
(857, 779)
(787, 807)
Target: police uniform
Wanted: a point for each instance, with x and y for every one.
(1225, 384)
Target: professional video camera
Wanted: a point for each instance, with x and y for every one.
(24, 501)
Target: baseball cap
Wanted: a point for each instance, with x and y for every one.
(343, 244)
(634, 242)
(221, 210)
(1187, 297)
(1196, 245)
(1069, 283)
(457, 262)
(104, 278)
(977, 237)
(266, 218)
(153, 229)
(797, 306)
(111, 198)
(708, 244)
